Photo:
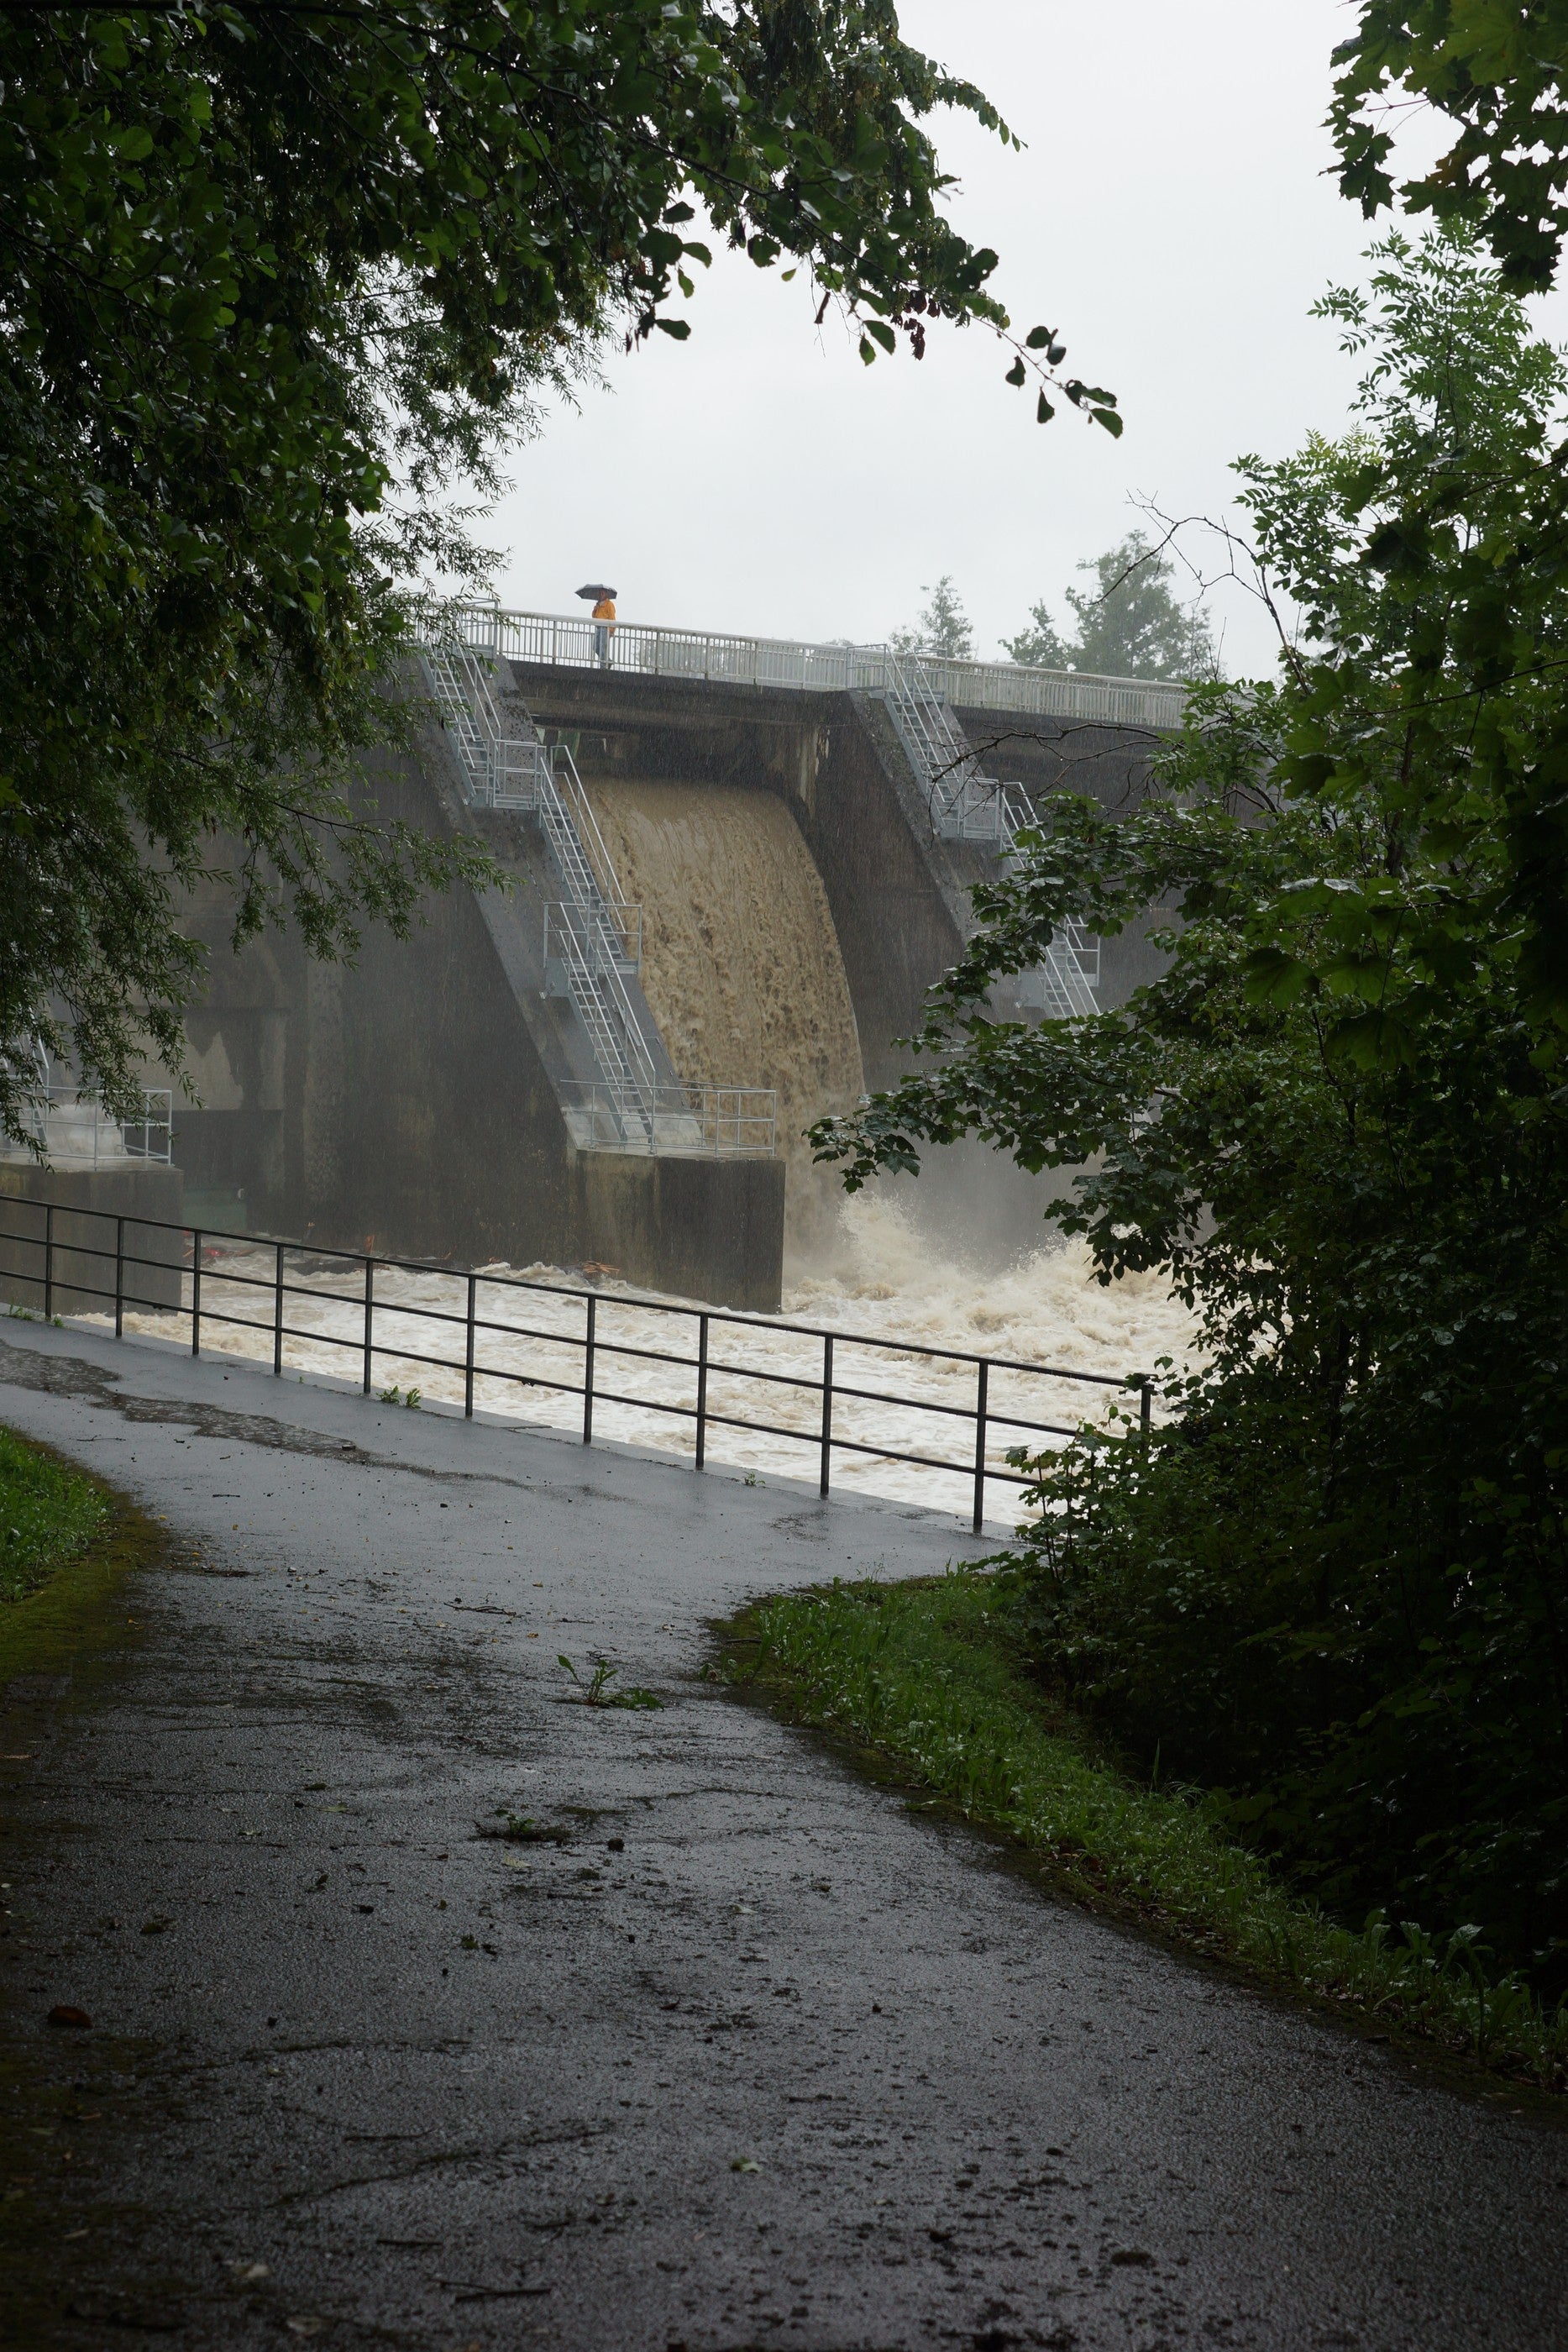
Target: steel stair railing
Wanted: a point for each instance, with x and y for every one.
(588, 932)
(502, 770)
(966, 805)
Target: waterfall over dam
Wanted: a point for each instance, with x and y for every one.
(794, 901)
(741, 962)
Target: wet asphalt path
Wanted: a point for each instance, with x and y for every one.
(362, 2077)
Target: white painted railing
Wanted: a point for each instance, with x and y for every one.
(73, 1129)
(566, 641)
(677, 1121)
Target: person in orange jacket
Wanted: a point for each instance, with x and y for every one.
(604, 629)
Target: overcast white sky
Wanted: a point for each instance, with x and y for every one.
(1168, 215)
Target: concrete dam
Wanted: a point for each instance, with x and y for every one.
(737, 865)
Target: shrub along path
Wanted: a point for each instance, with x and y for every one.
(756, 2057)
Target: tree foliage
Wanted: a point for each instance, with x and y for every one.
(1130, 625)
(272, 279)
(1498, 70)
(1336, 1586)
(944, 628)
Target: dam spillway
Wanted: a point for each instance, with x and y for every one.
(741, 963)
(797, 903)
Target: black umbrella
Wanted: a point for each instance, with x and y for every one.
(596, 592)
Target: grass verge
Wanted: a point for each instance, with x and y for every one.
(924, 1674)
(65, 1541)
(48, 1514)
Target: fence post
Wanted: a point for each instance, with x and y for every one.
(468, 1364)
(120, 1277)
(827, 1409)
(1144, 1416)
(588, 1376)
(370, 1318)
(50, 1263)
(195, 1290)
(981, 1395)
(702, 1389)
(277, 1316)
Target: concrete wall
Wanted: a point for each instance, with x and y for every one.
(405, 1102)
(899, 895)
(408, 1103)
(77, 1245)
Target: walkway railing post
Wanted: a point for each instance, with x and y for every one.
(978, 1470)
(982, 1390)
(702, 1390)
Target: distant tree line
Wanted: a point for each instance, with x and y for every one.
(1130, 624)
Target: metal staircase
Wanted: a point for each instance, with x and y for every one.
(592, 935)
(966, 805)
(502, 772)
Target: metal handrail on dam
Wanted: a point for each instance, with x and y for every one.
(791, 662)
(225, 1270)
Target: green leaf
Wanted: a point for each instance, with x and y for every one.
(1043, 411)
(1018, 373)
(1274, 977)
(1372, 1041)
(679, 328)
(883, 333)
(1038, 338)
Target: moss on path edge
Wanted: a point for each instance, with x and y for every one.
(60, 1643)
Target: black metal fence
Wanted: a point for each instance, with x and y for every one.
(82, 1261)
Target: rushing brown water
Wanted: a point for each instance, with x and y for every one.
(741, 964)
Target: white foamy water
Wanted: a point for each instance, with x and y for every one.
(882, 1279)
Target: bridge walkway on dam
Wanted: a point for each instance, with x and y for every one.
(758, 2054)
